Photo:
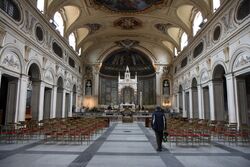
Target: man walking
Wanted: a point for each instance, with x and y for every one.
(158, 125)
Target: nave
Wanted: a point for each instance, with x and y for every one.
(123, 144)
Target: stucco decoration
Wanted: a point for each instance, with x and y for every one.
(68, 84)
(93, 27)
(88, 72)
(49, 77)
(241, 61)
(127, 43)
(128, 23)
(204, 76)
(2, 35)
(11, 62)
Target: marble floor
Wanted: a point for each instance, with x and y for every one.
(123, 145)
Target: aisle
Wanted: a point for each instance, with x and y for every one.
(126, 145)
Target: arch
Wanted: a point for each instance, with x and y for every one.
(194, 82)
(60, 82)
(34, 72)
(218, 71)
(118, 60)
(72, 40)
(194, 92)
(103, 56)
(11, 58)
(74, 88)
(40, 5)
(220, 93)
(37, 63)
(183, 40)
(219, 62)
(197, 22)
(59, 22)
(180, 88)
(33, 92)
(60, 98)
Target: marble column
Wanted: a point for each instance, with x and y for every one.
(41, 101)
(241, 101)
(211, 100)
(219, 109)
(63, 103)
(200, 102)
(177, 102)
(95, 89)
(70, 104)
(23, 83)
(54, 97)
(231, 98)
(158, 88)
(191, 114)
(184, 111)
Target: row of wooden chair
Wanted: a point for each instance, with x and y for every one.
(203, 132)
(65, 130)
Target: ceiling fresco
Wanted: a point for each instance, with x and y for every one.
(128, 5)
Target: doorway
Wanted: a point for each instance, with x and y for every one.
(8, 99)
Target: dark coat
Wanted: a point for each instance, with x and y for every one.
(158, 120)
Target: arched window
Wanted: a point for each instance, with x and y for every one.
(175, 52)
(40, 5)
(197, 22)
(184, 40)
(80, 52)
(72, 40)
(216, 4)
(58, 20)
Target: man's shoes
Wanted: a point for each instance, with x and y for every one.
(158, 149)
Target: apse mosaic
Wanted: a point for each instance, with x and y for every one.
(128, 5)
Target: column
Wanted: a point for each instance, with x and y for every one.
(70, 105)
(184, 112)
(177, 102)
(241, 103)
(211, 98)
(231, 98)
(190, 103)
(54, 96)
(96, 87)
(158, 88)
(41, 101)
(200, 102)
(63, 103)
(0, 78)
(23, 82)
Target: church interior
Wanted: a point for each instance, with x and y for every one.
(80, 79)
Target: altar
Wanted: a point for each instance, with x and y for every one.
(127, 90)
(127, 106)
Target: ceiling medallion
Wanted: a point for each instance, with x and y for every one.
(93, 27)
(127, 43)
(128, 23)
(128, 6)
(162, 27)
